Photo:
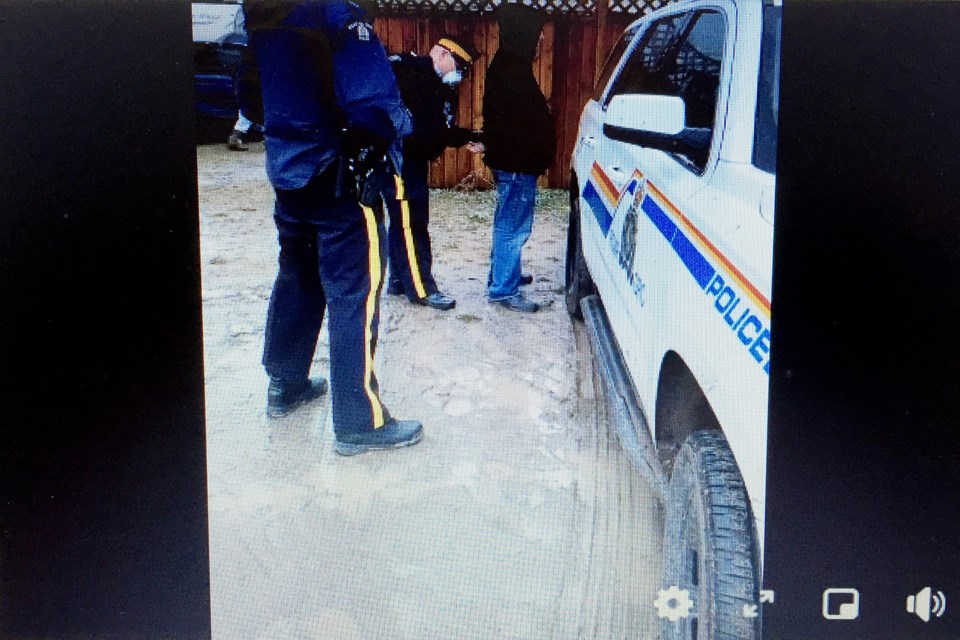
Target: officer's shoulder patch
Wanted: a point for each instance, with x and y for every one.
(362, 30)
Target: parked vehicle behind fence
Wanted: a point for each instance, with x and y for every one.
(218, 44)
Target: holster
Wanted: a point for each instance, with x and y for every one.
(363, 178)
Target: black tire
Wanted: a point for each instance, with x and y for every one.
(710, 545)
(577, 281)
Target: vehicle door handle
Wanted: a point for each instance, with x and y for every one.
(616, 172)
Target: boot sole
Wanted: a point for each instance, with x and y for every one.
(507, 305)
(347, 449)
(438, 307)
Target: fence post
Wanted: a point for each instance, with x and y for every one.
(602, 8)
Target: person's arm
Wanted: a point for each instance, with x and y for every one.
(495, 101)
(418, 89)
(454, 135)
(459, 136)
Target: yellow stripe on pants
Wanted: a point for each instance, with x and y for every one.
(412, 262)
(375, 273)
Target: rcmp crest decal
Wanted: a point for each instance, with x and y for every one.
(628, 237)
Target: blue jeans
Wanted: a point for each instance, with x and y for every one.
(512, 223)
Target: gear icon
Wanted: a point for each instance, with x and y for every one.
(673, 603)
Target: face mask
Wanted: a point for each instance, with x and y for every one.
(453, 77)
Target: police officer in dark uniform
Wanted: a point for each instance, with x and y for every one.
(331, 112)
(428, 86)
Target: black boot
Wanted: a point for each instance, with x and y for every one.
(437, 300)
(282, 398)
(392, 435)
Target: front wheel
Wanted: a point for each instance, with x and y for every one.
(711, 578)
(577, 282)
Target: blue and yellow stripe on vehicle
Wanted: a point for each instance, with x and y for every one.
(714, 273)
(412, 261)
(602, 196)
(376, 271)
(695, 249)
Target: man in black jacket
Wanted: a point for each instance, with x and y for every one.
(518, 138)
(428, 89)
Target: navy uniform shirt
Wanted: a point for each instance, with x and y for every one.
(322, 69)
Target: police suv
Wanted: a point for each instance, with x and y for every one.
(669, 260)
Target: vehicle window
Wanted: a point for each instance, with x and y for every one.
(696, 72)
(683, 57)
(637, 72)
(612, 60)
(768, 93)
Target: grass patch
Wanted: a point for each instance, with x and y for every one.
(477, 206)
(554, 204)
(478, 218)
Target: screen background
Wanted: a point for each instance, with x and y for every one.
(864, 479)
(103, 516)
(864, 448)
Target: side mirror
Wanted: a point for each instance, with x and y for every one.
(664, 115)
(656, 122)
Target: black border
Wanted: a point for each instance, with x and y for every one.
(102, 455)
(863, 461)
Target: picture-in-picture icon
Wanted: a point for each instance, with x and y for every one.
(925, 603)
(841, 604)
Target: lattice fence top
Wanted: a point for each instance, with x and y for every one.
(566, 8)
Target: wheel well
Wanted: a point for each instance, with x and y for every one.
(681, 409)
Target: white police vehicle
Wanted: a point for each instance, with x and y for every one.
(669, 260)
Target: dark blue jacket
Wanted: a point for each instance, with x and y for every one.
(322, 69)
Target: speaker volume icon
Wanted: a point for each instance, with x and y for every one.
(925, 603)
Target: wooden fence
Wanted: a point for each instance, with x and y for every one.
(566, 70)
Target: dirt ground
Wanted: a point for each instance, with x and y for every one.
(518, 516)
